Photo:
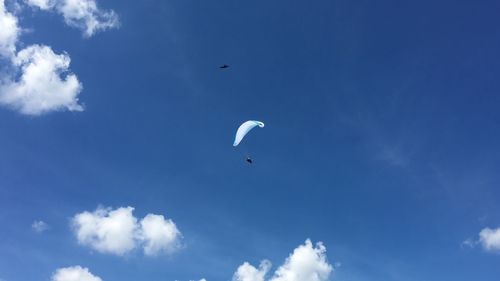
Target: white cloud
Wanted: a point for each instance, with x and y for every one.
(74, 273)
(159, 235)
(106, 230)
(42, 4)
(490, 239)
(247, 272)
(44, 83)
(9, 31)
(82, 14)
(469, 243)
(39, 226)
(36, 80)
(119, 232)
(306, 263)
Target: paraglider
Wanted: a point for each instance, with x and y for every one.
(243, 131)
(224, 66)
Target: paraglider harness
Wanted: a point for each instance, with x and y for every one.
(249, 160)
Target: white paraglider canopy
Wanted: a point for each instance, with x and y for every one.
(244, 129)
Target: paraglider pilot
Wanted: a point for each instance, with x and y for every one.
(243, 130)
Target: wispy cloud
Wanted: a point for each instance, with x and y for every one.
(82, 14)
(39, 226)
(394, 155)
(469, 243)
(119, 232)
(395, 149)
(9, 31)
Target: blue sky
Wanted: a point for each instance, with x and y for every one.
(381, 138)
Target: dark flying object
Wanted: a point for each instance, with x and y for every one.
(249, 160)
(224, 66)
